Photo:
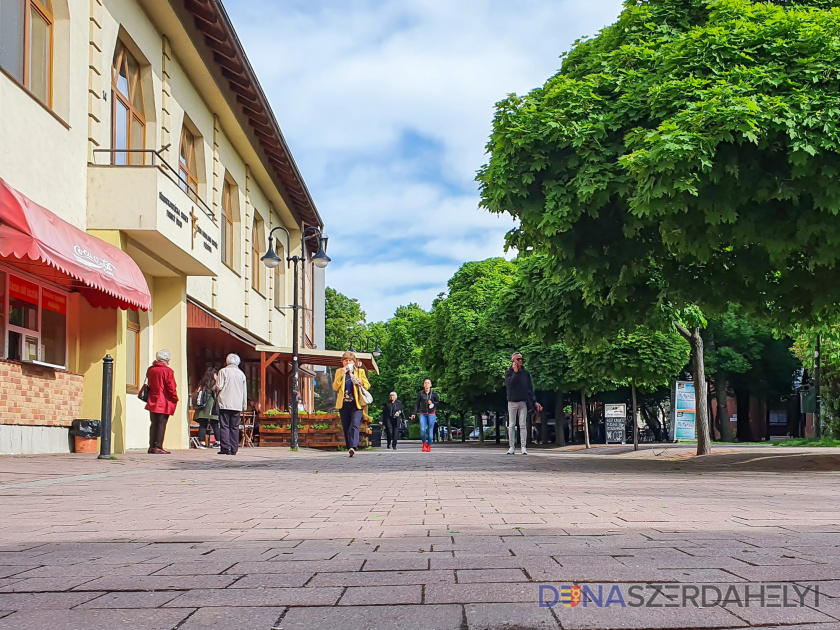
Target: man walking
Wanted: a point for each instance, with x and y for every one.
(233, 400)
(392, 413)
(521, 398)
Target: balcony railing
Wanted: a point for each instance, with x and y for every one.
(165, 168)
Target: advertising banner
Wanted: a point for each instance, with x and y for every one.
(684, 410)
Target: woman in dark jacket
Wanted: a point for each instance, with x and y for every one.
(426, 406)
(209, 412)
(163, 398)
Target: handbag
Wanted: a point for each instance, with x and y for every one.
(143, 394)
(367, 398)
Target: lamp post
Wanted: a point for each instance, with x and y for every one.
(376, 352)
(320, 260)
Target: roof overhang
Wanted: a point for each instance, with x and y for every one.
(217, 42)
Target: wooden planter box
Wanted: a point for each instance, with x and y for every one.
(330, 438)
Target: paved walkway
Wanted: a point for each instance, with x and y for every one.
(460, 538)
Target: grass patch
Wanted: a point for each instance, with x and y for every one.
(824, 441)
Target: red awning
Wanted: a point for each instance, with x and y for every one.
(47, 246)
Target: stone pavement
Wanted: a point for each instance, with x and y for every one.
(460, 538)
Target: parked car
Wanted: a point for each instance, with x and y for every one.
(490, 433)
(456, 432)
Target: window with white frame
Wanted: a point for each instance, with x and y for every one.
(35, 327)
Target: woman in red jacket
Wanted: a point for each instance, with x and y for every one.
(163, 397)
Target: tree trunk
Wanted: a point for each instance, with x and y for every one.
(698, 368)
(481, 427)
(448, 426)
(585, 418)
(635, 419)
(463, 427)
(722, 407)
(499, 432)
(744, 430)
(559, 422)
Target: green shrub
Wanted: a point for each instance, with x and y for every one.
(413, 431)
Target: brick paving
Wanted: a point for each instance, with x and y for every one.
(461, 538)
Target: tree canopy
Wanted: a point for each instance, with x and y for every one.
(344, 319)
(686, 155)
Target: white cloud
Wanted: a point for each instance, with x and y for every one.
(387, 107)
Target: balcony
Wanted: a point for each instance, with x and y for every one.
(146, 202)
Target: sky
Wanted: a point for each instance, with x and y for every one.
(387, 107)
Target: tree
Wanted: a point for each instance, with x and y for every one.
(468, 347)
(400, 369)
(344, 319)
(687, 156)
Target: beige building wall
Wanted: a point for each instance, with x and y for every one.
(54, 156)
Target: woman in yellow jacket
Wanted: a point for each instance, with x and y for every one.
(349, 398)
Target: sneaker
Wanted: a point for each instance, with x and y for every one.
(511, 451)
(524, 451)
(201, 446)
(394, 447)
(352, 452)
(215, 445)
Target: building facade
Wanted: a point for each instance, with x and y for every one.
(141, 124)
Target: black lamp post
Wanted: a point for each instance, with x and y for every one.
(320, 260)
(376, 352)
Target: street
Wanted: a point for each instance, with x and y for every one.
(461, 537)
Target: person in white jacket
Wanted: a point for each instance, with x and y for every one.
(232, 400)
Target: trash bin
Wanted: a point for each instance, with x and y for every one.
(376, 435)
(85, 434)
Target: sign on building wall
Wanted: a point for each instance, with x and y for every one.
(684, 411)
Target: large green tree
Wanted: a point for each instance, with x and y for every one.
(686, 156)
(400, 369)
(468, 347)
(345, 320)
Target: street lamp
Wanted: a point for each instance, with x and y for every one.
(320, 260)
(376, 352)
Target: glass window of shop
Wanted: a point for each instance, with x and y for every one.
(35, 328)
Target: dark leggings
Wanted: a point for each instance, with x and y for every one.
(351, 419)
(202, 429)
(157, 430)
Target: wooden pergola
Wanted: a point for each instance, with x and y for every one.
(280, 359)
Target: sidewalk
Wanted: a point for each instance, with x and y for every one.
(456, 538)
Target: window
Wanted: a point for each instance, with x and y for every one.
(128, 131)
(256, 254)
(227, 225)
(26, 44)
(37, 321)
(187, 171)
(132, 349)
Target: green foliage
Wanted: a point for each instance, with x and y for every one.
(689, 154)
(400, 368)
(829, 373)
(413, 431)
(344, 320)
(824, 441)
(468, 347)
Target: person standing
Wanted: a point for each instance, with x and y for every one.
(232, 400)
(520, 399)
(163, 398)
(349, 399)
(208, 413)
(426, 406)
(392, 413)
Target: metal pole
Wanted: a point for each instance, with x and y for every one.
(817, 419)
(107, 394)
(295, 365)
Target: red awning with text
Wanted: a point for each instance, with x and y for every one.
(37, 241)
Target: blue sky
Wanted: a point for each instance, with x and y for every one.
(387, 106)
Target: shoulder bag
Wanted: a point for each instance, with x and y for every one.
(143, 394)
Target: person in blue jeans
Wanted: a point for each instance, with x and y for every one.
(426, 406)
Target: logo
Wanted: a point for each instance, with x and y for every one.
(570, 595)
(92, 261)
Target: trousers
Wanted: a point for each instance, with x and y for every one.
(351, 419)
(517, 411)
(157, 430)
(392, 429)
(229, 428)
(427, 422)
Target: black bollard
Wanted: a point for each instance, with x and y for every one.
(107, 393)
